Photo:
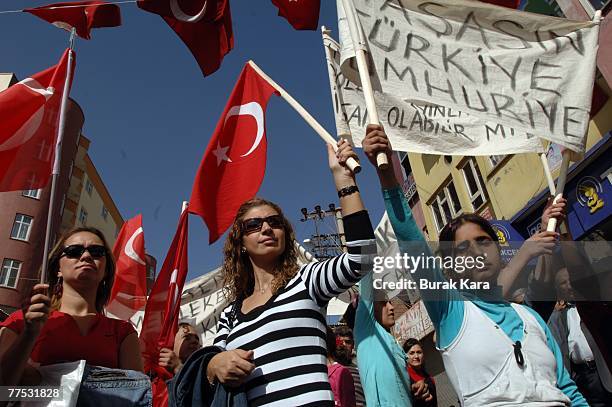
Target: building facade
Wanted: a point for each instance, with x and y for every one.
(88, 202)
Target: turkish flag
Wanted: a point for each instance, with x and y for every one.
(160, 321)
(129, 292)
(234, 163)
(29, 113)
(205, 26)
(82, 15)
(301, 14)
(504, 3)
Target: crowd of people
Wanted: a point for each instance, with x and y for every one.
(273, 346)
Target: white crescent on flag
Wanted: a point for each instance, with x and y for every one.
(179, 14)
(129, 247)
(251, 109)
(29, 127)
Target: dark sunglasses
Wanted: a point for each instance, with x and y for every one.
(255, 224)
(75, 251)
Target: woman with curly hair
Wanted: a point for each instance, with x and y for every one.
(69, 325)
(274, 332)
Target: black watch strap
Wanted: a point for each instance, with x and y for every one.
(347, 191)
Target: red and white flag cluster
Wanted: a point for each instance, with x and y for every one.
(29, 113)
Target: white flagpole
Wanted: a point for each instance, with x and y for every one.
(332, 80)
(320, 130)
(364, 73)
(58, 158)
(552, 222)
(551, 187)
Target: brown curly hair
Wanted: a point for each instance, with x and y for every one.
(239, 280)
(104, 288)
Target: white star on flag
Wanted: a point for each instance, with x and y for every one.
(221, 154)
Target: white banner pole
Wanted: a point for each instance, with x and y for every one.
(351, 162)
(364, 73)
(58, 158)
(552, 222)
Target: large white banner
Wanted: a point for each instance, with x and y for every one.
(498, 78)
(416, 127)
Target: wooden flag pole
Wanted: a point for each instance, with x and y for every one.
(58, 157)
(320, 130)
(549, 178)
(364, 73)
(552, 222)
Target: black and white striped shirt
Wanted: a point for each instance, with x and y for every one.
(287, 334)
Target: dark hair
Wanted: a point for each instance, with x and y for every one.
(349, 316)
(330, 339)
(106, 285)
(447, 235)
(410, 342)
(343, 331)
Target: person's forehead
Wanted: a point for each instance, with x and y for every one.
(470, 231)
(84, 238)
(260, 212)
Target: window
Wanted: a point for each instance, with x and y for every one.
(83, 216)
(32, 193)
(21, 227)
(446, 205)
(88, 187)
(9, 273)
(474, 184)
(496, 159)
(104, 213)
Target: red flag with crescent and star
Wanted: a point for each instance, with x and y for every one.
(205, 26)
(80, 15)
(29, 113)
(301, 14)
(161, 316)
(129, 292)
(234, 163)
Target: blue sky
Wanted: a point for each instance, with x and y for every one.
(149, 112)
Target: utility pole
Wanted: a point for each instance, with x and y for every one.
(325, 245)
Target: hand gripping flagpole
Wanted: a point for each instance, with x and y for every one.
(320, 130)
(58, 157)
(552, 222)
(364, 73)
(553, 190)
(567, 154)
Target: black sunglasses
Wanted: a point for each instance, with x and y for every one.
(75, 251)
(255, 224)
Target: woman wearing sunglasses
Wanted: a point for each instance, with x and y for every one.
(69, 324)
(274, 332)
(495, 353)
